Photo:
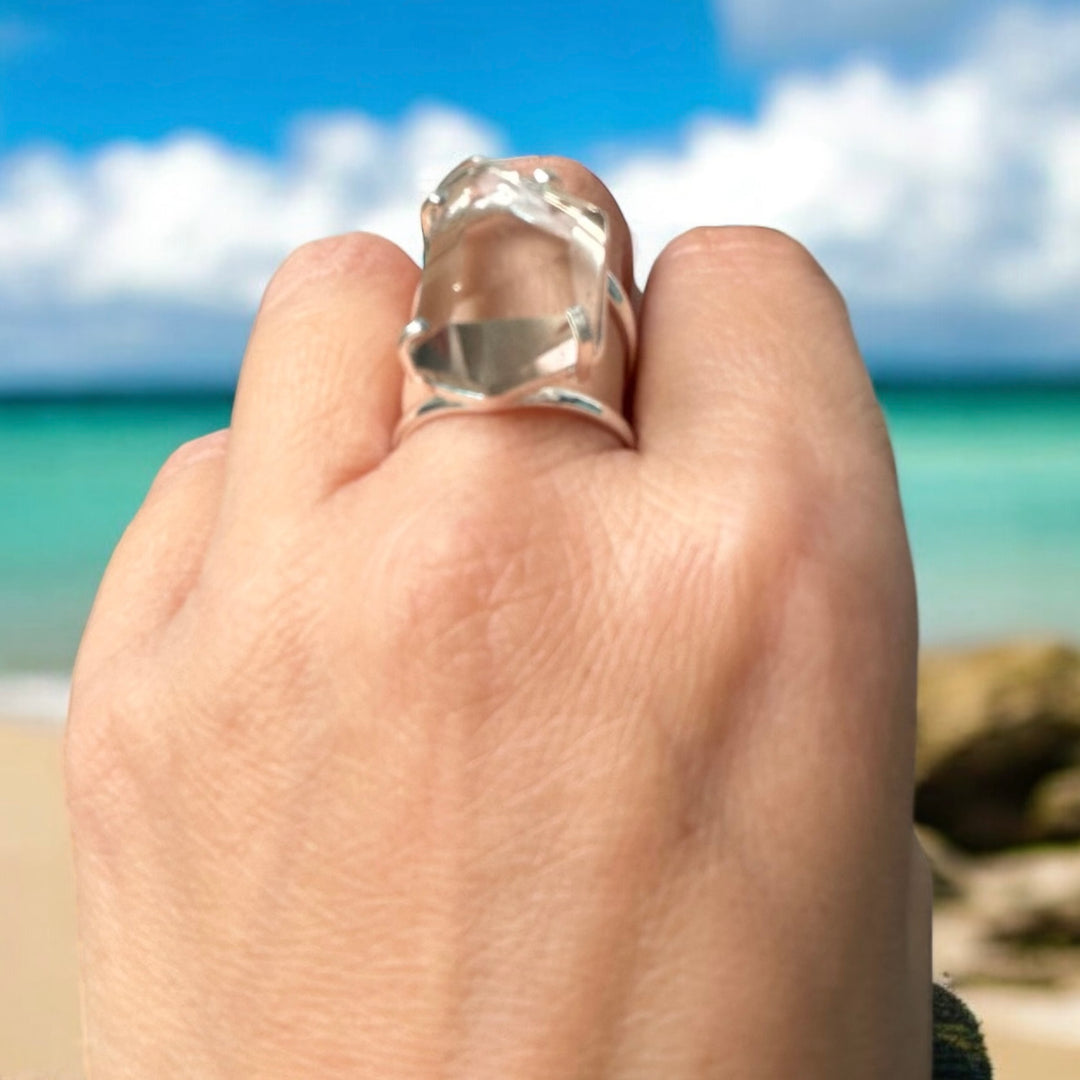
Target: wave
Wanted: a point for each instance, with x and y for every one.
(41, 697)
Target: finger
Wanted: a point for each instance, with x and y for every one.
(747, 353)
(160, 554)
(756, 412)
(320, 386)
(521, 270)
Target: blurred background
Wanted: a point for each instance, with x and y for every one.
(158, 161)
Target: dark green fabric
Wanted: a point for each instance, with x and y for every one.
(959, 1051)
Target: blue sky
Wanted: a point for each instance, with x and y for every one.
(560, 75)
(157, 161)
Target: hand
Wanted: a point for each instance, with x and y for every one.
(512, 753)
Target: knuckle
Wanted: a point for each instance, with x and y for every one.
(760, 250)
(265, 620)
(826, 543)
(773, 246)
(785, 516)
(803, 496)
(451, 567)
(789, 527)
(350, 255)
(210, 446)
(467, 588)
(106, 735)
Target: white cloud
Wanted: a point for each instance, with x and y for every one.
(947, 207)
(136, 250)
(194, 220)
(771, 29)
(953, 195)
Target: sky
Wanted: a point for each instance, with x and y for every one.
(158, 161)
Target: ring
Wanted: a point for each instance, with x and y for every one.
(513, 309)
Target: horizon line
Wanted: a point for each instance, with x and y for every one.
(927, 379)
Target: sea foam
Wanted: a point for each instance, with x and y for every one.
(39, 697)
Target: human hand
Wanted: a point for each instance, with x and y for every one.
(512, 753)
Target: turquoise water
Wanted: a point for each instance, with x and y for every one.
(72, 473)
(990, 479)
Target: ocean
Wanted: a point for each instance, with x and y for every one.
(990, 479)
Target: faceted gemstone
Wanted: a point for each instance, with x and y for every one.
(513, 285)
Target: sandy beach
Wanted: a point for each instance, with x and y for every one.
(1030, 1035)
(39, 1004)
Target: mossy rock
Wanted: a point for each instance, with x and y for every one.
(1055, 805)
(994, 725)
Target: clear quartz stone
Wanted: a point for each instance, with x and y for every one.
(513, 284)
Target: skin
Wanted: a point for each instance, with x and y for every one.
(512, 752)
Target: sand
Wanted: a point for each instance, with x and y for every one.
(1030, 1035)
(39, 1005)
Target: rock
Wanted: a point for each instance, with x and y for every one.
(1029, 898)
(1055, 805)
(994, 724)
(964, 955)
(1017, 922)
